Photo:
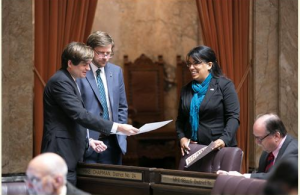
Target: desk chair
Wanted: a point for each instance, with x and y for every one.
(228, 159)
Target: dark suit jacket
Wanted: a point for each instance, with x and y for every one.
(218, 113)
(289, 149)
(72, 190)
(66, 120)
(117, 98)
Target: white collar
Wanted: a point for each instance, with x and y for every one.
(63, 190)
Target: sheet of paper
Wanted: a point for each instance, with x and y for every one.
(150, 127)
(153, 126)
(199, 154)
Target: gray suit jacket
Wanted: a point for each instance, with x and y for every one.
(117, 98)
(289, 149)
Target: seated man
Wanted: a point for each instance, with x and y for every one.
(47, 174)
(270, 134)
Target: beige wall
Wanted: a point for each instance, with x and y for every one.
(153, 27)
(275, 61)
(17, 85)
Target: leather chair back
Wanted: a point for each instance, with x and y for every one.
(14, 188)
(228, 159)
(235, 185)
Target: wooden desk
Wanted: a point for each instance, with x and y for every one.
(159, 148)
(176, 182)
(116, 179)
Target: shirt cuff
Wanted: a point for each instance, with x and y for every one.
(114, 128)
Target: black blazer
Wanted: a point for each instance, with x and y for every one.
(66, 120)
(218, 114)
(289, 149)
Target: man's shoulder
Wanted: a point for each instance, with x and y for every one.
(59, 79)
(291, 142)
(59, 75)
(113, 66)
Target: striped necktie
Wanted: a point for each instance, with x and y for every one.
(102, 94)
(270, 162)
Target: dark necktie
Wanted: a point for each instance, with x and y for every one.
(102, 95)
(270, 162)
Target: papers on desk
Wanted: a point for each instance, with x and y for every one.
(199, 154)
(150, 127)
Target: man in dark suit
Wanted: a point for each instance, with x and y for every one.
(46, 174)
(270, 134)
(66, 119)
(115, 96)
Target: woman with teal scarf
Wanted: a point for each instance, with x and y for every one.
(209, 107)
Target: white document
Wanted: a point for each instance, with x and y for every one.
(150, 127)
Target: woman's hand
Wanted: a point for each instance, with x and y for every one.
(184, 145)
(219, 144)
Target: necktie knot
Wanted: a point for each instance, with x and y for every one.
(98, 72)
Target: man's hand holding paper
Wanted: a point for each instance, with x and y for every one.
(124, 129)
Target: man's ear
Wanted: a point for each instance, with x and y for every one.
(70, 63)
(58, 182)
(277, 134)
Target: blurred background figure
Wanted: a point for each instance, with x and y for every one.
(284, 180)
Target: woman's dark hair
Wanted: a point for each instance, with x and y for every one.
(205, 54)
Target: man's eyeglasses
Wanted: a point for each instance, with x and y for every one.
(261, 139)
(104, 54)
(195, 64)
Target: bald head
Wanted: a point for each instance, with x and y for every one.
(268, 131)
(271, 123)
(46, 174)
(49, 163)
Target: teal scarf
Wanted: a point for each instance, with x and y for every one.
(200, 91)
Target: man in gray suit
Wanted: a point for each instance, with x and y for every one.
(111, 103)
(47, 174)
(270, 134)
